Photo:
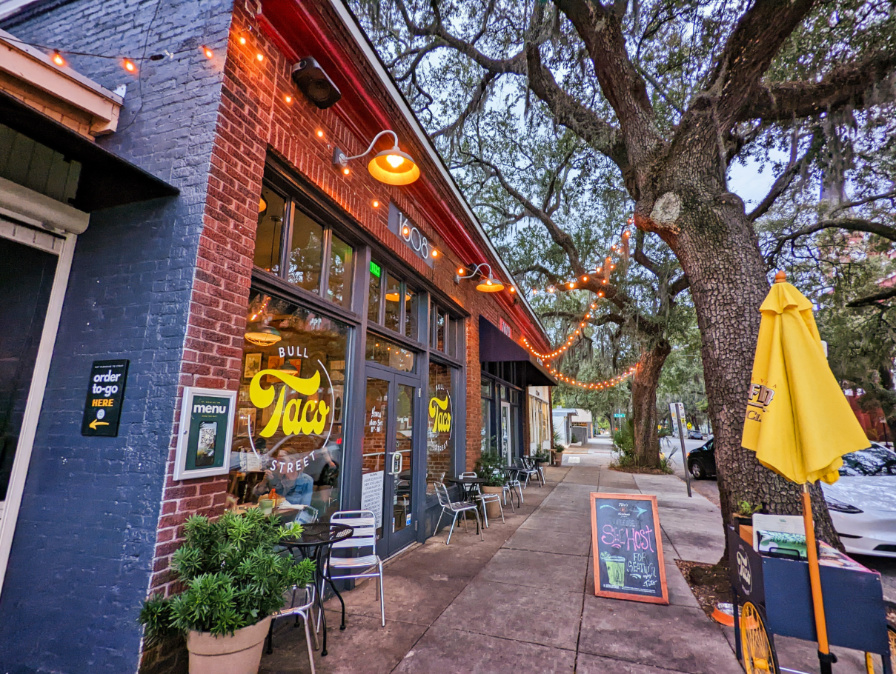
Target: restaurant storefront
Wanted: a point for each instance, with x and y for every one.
(289, 320)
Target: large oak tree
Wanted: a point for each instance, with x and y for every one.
(671, 92)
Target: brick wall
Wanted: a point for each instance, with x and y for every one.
(84, 545)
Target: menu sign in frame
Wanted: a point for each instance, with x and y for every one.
(628, 548)
(205, 433)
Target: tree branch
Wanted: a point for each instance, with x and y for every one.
(473, 105)
(848, 224)
(873, 299)
(783, 181)
(847, 84)
(747, 55)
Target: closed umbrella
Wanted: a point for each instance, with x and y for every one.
(798, 420)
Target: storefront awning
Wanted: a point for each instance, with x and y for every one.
(106, 180)
(496, 347)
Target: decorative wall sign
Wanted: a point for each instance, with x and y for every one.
(440, 419)
(205, 433)
(105, 394)
(410, 233)
(628, 548)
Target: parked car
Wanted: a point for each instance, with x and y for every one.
(702, 461)
(862, 502)
(694, 434)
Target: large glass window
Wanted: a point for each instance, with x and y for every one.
(339, 281)
(392, 303)
(271, 217)
(289, 422)
(305, 253)
(486, 434)
(389, 353)
(441, 422)
(291, 244)
(445, 332)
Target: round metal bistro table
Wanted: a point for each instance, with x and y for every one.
(315, 542)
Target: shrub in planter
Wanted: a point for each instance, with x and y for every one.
(490, 467)
(234, 578)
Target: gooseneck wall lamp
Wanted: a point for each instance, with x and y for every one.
(487, 283)
(392, 166)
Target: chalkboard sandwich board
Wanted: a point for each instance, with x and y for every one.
(628, 548)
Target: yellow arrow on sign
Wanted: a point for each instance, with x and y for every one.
(96, 422)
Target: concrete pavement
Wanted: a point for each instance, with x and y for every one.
(523, 600)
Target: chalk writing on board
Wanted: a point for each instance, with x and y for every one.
(628, 555)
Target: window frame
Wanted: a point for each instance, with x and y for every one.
(295, 201)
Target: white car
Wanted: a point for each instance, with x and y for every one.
(862, 502)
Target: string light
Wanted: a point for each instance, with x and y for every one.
(376, 204)
(209, 54)
(57, 59)
(603, 272)
(593, 386)
(287, 98)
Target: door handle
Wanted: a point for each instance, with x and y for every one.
(400, 461)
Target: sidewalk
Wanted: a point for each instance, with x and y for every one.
(523, 600)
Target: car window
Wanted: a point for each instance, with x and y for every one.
(874, 461)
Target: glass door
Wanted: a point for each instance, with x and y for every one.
(506, 433)
(387, 459)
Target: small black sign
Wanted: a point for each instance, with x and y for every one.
(105, 393)
(628, 550)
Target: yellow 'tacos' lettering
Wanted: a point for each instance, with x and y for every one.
(295, 416)
(441, 418)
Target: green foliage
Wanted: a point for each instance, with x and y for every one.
(746, 509)
(235, 575)
(624, 438)
(490, 467)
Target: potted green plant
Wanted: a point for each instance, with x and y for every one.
(234, 577)
(557, 451)
(490, 467)
(744, 514)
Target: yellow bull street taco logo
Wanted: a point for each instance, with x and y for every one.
(440, 415)
(296, 416)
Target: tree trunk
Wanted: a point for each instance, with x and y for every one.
(718, 250)
(644, 417)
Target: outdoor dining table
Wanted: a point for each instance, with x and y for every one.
(467, 484)
(315, 543)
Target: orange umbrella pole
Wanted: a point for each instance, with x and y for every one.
(825, 657)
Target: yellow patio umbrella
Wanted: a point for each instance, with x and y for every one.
(798, 420)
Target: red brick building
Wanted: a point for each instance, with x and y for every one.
(314, 329)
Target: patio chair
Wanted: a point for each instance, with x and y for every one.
(364, 536)
(523, 470)
(532, 465)
(298, 602)
(454, 508)
(476, 494)
(511, 482)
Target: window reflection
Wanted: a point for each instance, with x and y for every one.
(272, 210)
(410, 323)
(305, 253)
(394, 299)
(386, 352)
(290, 441)
(339, 281)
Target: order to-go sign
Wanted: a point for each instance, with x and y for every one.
(105, 393)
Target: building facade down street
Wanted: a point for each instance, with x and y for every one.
(238, 264)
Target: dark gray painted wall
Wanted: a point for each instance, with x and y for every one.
(83, 547)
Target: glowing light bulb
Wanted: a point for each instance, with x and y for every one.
(260, 57)
(346, 171)
(405, 230)
(435, 253)
(208, 52)
(57, 59)
(320, 133)
(287, 98)
(376, 204)
(394, 160)
(129, 65)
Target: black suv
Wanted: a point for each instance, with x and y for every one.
(702, 461)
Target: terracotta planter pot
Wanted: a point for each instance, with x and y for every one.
(494, 512)
(237, 654)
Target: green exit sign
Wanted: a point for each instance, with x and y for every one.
(619, 415)
(375, 269)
